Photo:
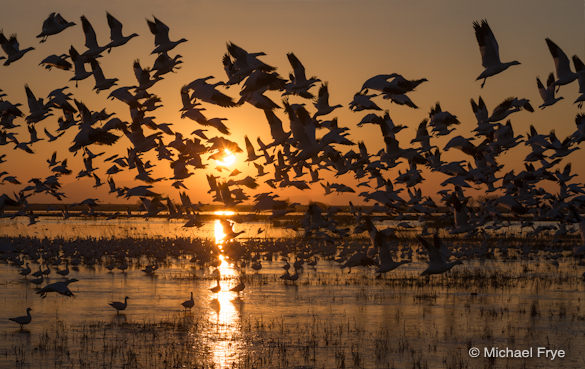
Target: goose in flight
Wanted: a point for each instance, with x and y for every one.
(23, 320)
(93, 48)
(56, 61)
(164, 64)
(562, 65)
(80, 73)
(322, 102)
(580, 68)
(490, 54)
(548, 93)
(162, 42)
(38, 110)
(299, 84)
(243, 63)
(52, 137)
(12, 49)
(119, 306)
(101, 82)
(208, 92)
(438, 256)
(53, 25)
(61, 288)
(116, 36)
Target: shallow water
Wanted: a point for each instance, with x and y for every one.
(51, 227)
(328, 319)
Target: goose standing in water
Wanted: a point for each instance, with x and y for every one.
(438, 256)
(22, 320)
(119, 306)
(65, 271)
(188, 304)
(490, 53)
(25, 271)
(216, 288)
(239, 287)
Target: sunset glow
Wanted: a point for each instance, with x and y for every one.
(228, 160)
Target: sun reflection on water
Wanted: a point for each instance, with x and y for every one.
(224, 313)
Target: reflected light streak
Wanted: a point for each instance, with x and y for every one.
(219, 233)
(225, 314)
(224, 212)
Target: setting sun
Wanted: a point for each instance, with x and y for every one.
(228, 160)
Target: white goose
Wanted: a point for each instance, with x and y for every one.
(490, 54)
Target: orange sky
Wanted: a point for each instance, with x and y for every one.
(342, 42)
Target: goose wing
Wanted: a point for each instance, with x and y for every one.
(115, 27)
(488, 46)
(562, 65)
(90, 37)
(433, 250)
(541, 89)
(298, 68)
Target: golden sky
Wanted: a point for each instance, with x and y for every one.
(341, 42)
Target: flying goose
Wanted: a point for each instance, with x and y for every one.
(548, 93)
(116, 36)
(562, 64)
(490, 54)
(162, 42)
(12, 49)
(438, 256)
(53, 25)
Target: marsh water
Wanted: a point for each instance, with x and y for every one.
(329, 318)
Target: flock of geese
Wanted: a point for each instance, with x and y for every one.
(297, 155)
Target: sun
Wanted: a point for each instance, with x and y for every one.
(228, 159)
